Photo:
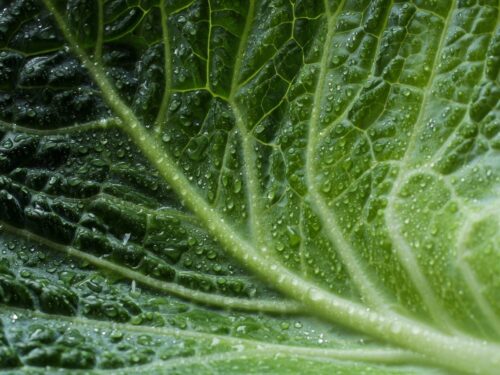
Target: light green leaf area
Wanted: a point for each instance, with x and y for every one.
(249, 187)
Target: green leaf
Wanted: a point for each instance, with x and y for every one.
(233, 186)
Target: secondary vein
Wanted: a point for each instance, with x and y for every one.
(403, 250)
(167, 70)
(357, 272)
(270, 306)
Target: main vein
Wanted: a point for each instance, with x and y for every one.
(100, 30)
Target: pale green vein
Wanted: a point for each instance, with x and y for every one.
(360, 178)
(100, 30)
(356, 270)
(274, 108)
(183, 7)
(207, 361)
(225, 157)
(159, 212)
(271, 306)
(302, 250)
(254, 196)
(341, 116)
(211, 277)
(167, 70)
(457, 352)
(474, 285)
(104, 123)
(270, 354)
(441, 151)
(476, 289)
(140, 329)
(370, 355)
(162, 212)
(128, 31)
(166, 212)
(209, 43)
(376, 355)
(403, 249)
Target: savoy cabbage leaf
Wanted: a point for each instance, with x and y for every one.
(240, 186)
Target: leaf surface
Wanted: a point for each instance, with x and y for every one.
(234, 186)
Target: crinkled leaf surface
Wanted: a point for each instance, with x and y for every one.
(239, 186)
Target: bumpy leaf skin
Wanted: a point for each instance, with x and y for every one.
(285, 159)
